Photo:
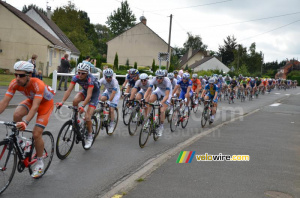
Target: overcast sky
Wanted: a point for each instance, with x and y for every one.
(274, 25)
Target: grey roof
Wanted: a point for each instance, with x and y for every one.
(59, 33)
(184, 59)
(34, 25)
(197, 63)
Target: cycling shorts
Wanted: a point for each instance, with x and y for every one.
(44, 111)
(182, 94)
(94, 99)
(114, 102)
(160, 94)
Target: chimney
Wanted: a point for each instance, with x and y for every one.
(143, 20)
(49, 13)
(190, 52)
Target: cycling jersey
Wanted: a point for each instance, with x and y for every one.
(258, 82)
(195, 84)
(131, 81)
(227, 80)
(138, 85)
(252, 83)
(113, 85)
(244, 82)
(184, 85)
(165, 85)
(90, 81)
(174, 83)
(233, 83)
(211, 90)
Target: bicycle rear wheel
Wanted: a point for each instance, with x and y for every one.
(8, 164)
(97, 114)
(126, 114)
(185, 120)
(133, 122)
(94, 131)
(195, 109)
(204, 117)
(145, 132)
(174, 120)
(116, 113)
(65, 140)
(47, 153)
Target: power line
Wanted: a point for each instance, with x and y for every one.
(269, 30)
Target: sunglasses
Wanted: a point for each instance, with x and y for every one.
(143, 80)
(20, 75)
(194, 78)
(159, 77)
(81, 73)
(185, 78)
(107, 76)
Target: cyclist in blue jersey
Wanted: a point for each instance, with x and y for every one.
(89, 95)
(211, 93)
(252, 84)
(186, 90)
(131, 78)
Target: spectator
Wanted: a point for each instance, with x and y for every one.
(40, 75)
(64, 68)
(33, 61)
(87, 61)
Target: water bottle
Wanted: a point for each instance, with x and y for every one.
(21, 141)
(27, 146)
(106, 113)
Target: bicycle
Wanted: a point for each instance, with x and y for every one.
(136, 118)
(150, 125)
(102, 114)
(15, 147)
(179, 116)
(195, 106)
(73, 130)
(126, 111)
(231, 97)
(207, 112)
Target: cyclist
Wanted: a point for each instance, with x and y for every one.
(175, 72)
(203, 82)
(196, 86)
(173, 80)
(88, 95)
(233, 85)
(39, 100)
(163, 90)
(166, 72)
(252, 85)
(186, 93)
(211, 93)
(180, 73)
(243, 85)
(140, 87)
(111, 95)
(131, 78)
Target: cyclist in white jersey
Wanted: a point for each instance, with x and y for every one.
(111, 94)
(163, 89)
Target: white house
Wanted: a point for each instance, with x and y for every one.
(209, 63)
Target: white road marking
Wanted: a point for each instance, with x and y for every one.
(287, 94)
(275, 104)
(277, 93)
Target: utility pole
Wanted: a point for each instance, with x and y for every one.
(169, 42)
(262, 62)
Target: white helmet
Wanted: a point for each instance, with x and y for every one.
(108, 72)
(195, 76)
(160, 73)
(83, 66)
(144, 76)
(211, 80)
(186, 76)
(170, 75)
(24, 66)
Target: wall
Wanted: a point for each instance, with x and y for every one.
(139, 44)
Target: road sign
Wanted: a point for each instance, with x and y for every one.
(163, 56)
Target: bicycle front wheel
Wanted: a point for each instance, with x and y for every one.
(174, 120)
(94, 132)
(145, 132)
(65, 140)
(204, 117)
(116, 119)
(133, 122)
(185, 119)
(8, 164)
(47, 153)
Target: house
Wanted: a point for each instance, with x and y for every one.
(191, 57)
(209, 63)
(138, 44)
(285, 70)
(54, 30)
(20, 37)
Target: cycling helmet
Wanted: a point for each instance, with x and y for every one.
(166, 72)
(200, 77)
(170, 76)
(175, 72)
(211, 80)
(227, 75)
(186, 76)
(133, 71)
(180, 72)
(108, 72)
(144, 76)
(195, 76)
(24, 66)
(215, 75)
(220, 76)
(83, 66)
(240, 75)
(205, 76)
(160, 73)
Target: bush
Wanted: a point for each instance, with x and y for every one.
(122, 67)
(73, 63)
(107, 64)
(153, 66)
(116, 62)
(135, 65)
(143, 67)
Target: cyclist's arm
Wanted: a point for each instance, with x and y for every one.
(203, 93)
(187, 91)
(133, 92)
(68, 92)
(88, 95)
(198, 88)
(167, 92)
(4, 103)
(113, 93)
(175, 89)
(147, 92)
(35, 106)
(126, 81)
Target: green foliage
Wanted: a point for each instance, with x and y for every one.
(25, 9)
(153, 66)
(80, 59)
(73, 63)
(104, 34)
(121, 20)
(116, 62)
(174, 63)
(127, 63)
(171, 69)
(186, 67)
(77, 27)
(244, 70)
(227, 50)
(271, 73)
(2, 71)
(143, 67)
(123, 67)
(293, 74)
(194, 42)
(135, 65)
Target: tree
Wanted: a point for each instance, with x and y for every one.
(153, 66)
(104, 34)
(135, 65)
(116, 62)
(25, 9)
(227, 50)
(127, 64)
(121, 20)
(194, 42)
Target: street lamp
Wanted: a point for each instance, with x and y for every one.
(237, 48)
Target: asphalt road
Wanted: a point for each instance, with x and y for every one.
(92, 173)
